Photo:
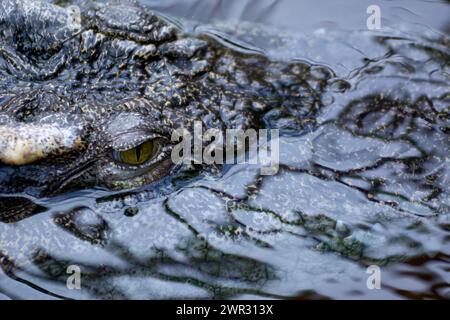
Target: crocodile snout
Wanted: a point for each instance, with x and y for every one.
(23, 143)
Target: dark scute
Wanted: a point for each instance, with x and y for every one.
(14, 209)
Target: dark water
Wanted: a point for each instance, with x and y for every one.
(369, 186)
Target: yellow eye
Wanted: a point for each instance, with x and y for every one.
(138, 155)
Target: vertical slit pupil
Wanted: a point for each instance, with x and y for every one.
(138, 152)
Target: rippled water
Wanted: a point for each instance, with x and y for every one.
(368, 186)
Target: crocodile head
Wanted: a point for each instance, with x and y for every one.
(91, 97)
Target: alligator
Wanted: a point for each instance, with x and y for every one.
(90, 94)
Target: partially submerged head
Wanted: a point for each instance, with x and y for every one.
(91, 96)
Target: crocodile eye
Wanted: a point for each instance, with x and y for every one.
(137, 155)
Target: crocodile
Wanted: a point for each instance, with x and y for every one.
(90, 94)
(84, 88)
